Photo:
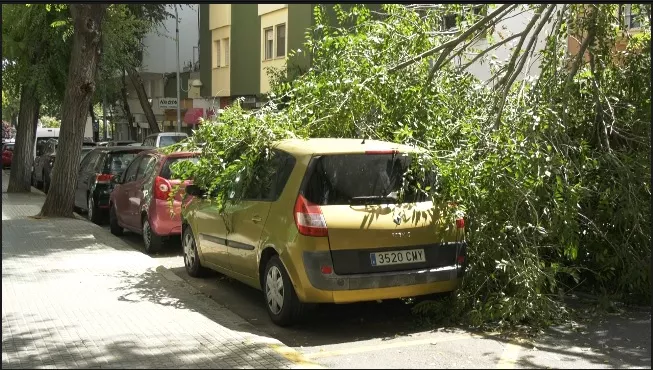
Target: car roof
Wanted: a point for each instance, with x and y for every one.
(338, 146)
(169, 134)
(123, 148)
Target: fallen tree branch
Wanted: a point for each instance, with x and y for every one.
(453, 42)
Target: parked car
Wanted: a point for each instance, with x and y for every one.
(43, 164)
(139, 201)
(96, 170)
(7, 154)
(116, 143)
(321, 223)
(163, 139)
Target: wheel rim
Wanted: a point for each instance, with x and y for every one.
(90, 207)
(146, 233)
(189, 251)
(274, 289)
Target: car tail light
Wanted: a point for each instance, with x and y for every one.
(326, 270)
(103, 178)
(460, 223)
(309, 218)
(461, 259)
(381, 152)
(162, 188)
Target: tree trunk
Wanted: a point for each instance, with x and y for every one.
(133, 131)
(20, 178)
(87, 36)
(137, 81)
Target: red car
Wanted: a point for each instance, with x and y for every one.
(7, 154)
(139, 201)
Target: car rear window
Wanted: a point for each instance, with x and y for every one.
(169, 140)
(362, 179)
(9, 147)
(117, 162)
(165, 170)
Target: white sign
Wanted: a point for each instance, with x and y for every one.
(167, 103)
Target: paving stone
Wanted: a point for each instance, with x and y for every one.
(76, 296)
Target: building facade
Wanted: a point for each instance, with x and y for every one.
(159, 75)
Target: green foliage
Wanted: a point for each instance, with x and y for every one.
(557, 195)
(50, 122)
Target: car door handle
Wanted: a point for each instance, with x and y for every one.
(256, 219)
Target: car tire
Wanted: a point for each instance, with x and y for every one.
(277, 288)
(116, 229)
(191, 257)
(153, 242)
(93, 212)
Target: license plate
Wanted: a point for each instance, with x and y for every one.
(397, 257)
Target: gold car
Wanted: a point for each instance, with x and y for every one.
(326, 227)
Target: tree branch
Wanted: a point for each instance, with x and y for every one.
(496, 45)
(515, 54)
(453, 42)
(531, 43)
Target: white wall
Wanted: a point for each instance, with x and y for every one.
(160, 55)
(506, 28)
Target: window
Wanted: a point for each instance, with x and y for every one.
(631, 16)
(130, 173)
(145, 166)
(216, 63)
(366, 178)
(281, 40)
(225, 43)
(118, 162)
(269, 43)
(170, 140)
(166, 171)
(271, 177)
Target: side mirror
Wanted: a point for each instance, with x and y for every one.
(194, 190)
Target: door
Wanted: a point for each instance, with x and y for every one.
(121, 198)
(211, 234)
(137, 192)
(248, 217)
(87, 165)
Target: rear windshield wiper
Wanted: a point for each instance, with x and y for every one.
(372, 199)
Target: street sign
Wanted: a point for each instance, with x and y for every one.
(166, 103)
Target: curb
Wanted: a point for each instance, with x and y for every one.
(297, 358)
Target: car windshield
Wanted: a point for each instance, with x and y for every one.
(166, 172)
(361, 179)
(169, 140)
(118, 162)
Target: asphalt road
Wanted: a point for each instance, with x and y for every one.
(385, 335)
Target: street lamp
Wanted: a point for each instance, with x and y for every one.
(178, 73)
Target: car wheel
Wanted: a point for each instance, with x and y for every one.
(191, 257)
(281, 301)
(116, 229)
(152, 241)
(93, 213)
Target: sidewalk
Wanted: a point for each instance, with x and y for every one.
(76, 296)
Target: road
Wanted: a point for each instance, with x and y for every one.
(385, 335)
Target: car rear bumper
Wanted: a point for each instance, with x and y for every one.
(375, 286)
(163, 223)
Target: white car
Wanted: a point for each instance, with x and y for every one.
(164, 139)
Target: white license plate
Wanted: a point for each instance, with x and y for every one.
(397, 257)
